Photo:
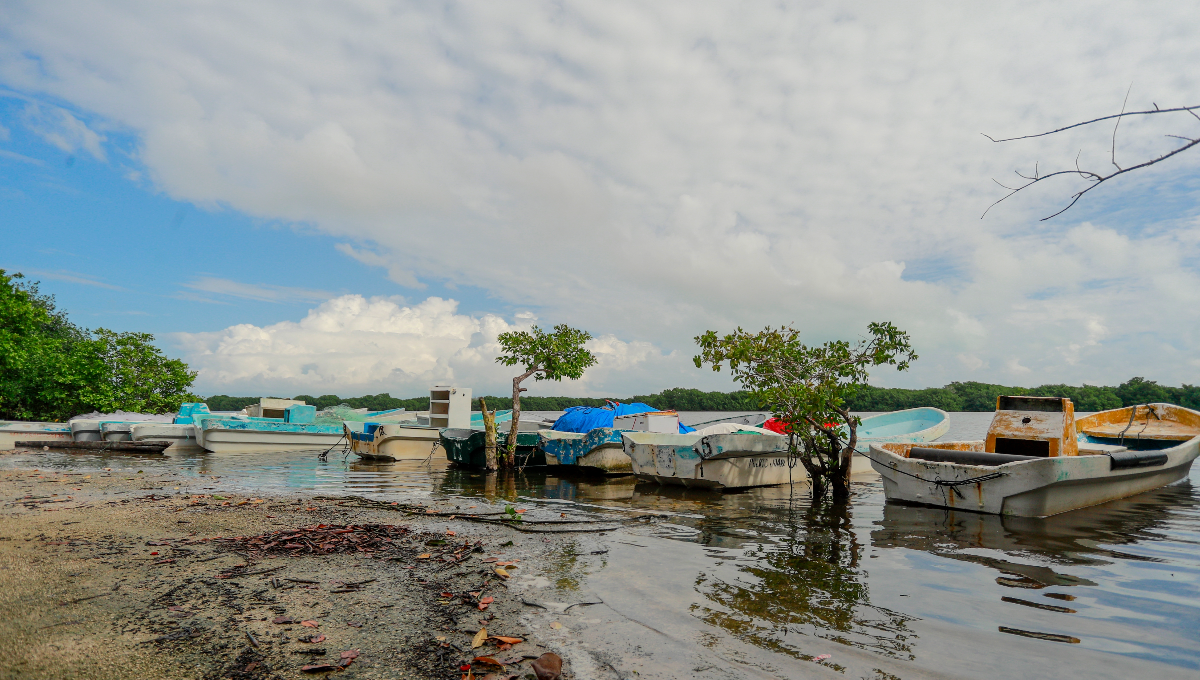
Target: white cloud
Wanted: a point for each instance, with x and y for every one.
(63, 130)
(651, 170)
(352, 345)
(68, 276)
(253, 291)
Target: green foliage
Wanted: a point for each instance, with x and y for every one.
(547, 356)
(51, 369)
(807, 387)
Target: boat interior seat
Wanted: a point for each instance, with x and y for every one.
(1091, 449)
(982, 458)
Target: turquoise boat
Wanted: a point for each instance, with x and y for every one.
(599, 448)
(910, 426)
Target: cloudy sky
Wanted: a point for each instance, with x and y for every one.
(357, 196)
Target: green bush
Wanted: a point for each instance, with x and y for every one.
(51, 369)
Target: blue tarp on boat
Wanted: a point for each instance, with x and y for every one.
(584, 419)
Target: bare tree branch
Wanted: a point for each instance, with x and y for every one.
(1096, 178)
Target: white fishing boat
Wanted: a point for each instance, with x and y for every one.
(12, 431)
(225, 435)
(1038, 460)
(409, 440)
(116, 432)
(181, 435)
(86, 429)
(713, 461)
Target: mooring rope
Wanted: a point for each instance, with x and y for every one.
(941, 483)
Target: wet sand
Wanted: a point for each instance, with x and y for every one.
(119, 575)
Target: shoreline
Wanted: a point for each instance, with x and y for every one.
(118, 575)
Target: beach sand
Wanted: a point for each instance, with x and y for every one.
(118, 575)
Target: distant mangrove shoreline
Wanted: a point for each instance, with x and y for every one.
(957, 396)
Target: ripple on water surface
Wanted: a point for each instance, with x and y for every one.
(763, 579)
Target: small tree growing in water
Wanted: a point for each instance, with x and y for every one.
(807, 387)
(545, 356)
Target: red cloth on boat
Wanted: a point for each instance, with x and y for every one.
(777, 425)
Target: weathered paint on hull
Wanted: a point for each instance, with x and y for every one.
(739, 461)
(181, 436)
(1035, 488)
(228, 435)
(14, 431)
(600, 449)
(116, 432)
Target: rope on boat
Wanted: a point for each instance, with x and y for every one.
(942, 483)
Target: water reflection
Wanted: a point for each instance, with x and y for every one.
(808, 580)
(770, 570)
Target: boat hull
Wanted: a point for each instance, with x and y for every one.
(396, 442)
(14, 431)
(726, 461)
(599, 450)
(182, 436)
(226, 436)
(1030, 488)
(116, 432)
(466, 448)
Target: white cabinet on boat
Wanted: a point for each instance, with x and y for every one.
(666, 422)
(450, 407)
(270, 407)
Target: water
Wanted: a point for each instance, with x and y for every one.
(758, 584)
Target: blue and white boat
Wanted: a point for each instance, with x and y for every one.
(584, 437)
(12, 431)
(728, 459)
(406, 440)
(222, 433)
(910, 426)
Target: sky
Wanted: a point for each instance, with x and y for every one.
(358, 196)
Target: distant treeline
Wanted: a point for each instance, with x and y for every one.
(957, 396)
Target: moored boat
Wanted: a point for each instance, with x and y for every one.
(1038, 460)
(913, 425)
(181, 436)
(13, 430)
(465, 448)
(116, 431)
(599, 449)
(735, 460)
(221, 435)
(590, 438)
(408, 440)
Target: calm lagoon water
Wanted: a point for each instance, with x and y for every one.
(758, 584)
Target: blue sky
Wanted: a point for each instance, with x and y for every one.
(358, 197)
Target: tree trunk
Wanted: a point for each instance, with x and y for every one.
(489, 437)
(510, 456)
(841, 480)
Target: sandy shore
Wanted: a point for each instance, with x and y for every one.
(119, 575)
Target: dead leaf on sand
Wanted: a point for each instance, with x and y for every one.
(310, 624)
(486, 661)
(507, 640)
(312, 639)
(547, 666)
(318, 668)
(479, 638)
(502, 573)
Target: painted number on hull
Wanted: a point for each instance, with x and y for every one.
(767, 462)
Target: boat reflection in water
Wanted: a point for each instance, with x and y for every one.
(1067, 578)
